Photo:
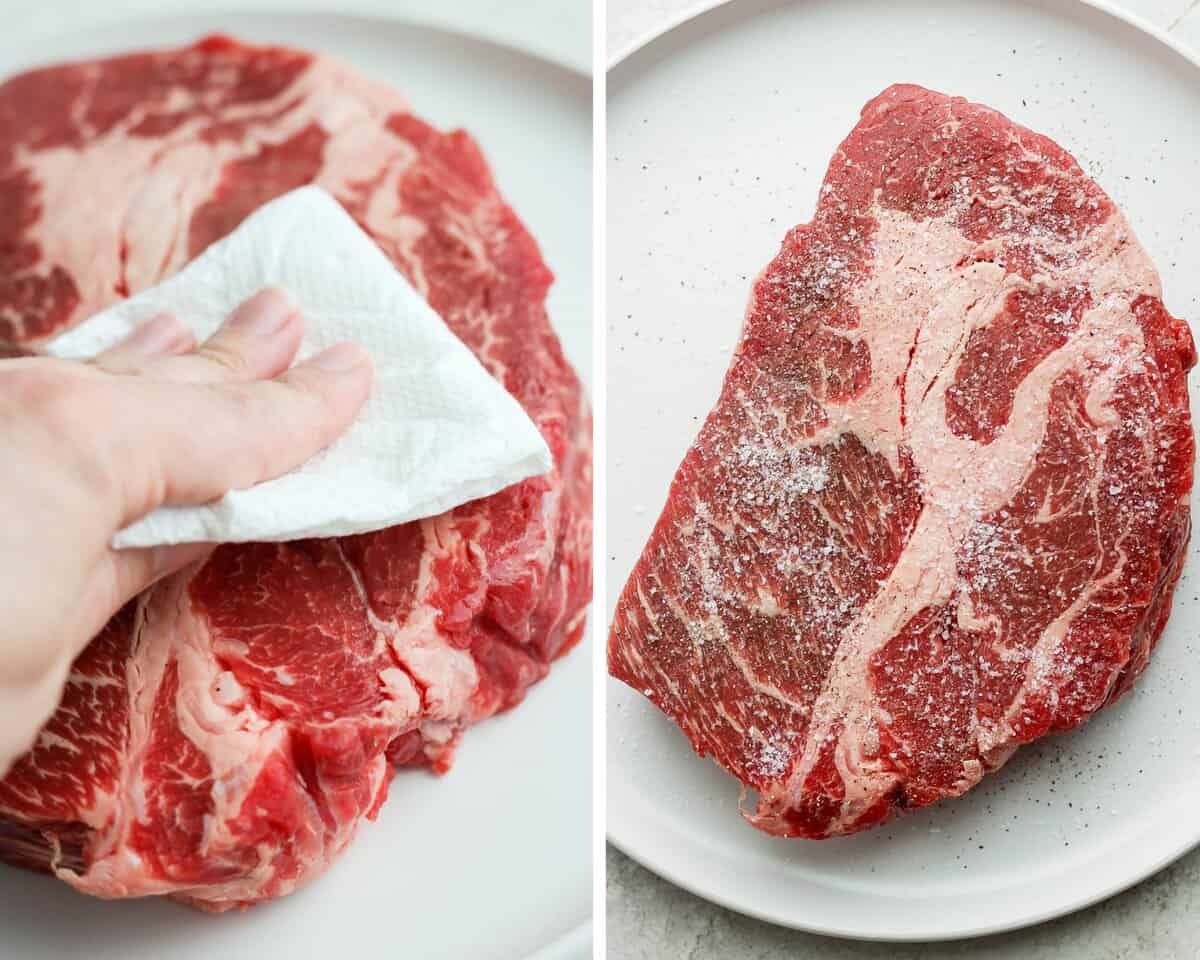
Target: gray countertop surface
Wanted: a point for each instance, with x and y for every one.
(649, 918)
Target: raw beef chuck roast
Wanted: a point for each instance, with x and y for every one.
(941, 505)
(225, 735)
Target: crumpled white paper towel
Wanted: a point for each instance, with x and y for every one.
(436, 431)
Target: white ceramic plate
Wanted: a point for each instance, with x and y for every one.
(493, 860)
(719, 133)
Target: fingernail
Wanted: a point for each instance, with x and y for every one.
(339, 358)
(163, 334)
(264, 314)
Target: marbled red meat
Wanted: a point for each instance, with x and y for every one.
(225, 735)
(942, 502)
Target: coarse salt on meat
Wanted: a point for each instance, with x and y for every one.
(942, 502)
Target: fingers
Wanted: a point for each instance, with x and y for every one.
(162, 336)
(188, 443)
(258, 341)
(189, 425)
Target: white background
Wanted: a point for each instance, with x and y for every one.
(649, 918)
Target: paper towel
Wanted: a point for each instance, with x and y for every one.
(436, 431)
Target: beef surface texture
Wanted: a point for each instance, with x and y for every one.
(226, 734)
(942, 502)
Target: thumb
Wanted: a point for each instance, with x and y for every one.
(133, 570)
(122, 575)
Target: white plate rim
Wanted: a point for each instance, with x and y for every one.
(307, 12)
(627, 838)
(700, 8)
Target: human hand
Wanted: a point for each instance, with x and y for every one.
(90, 447)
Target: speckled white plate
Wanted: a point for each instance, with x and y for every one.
(719, 133)
(494, 860)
